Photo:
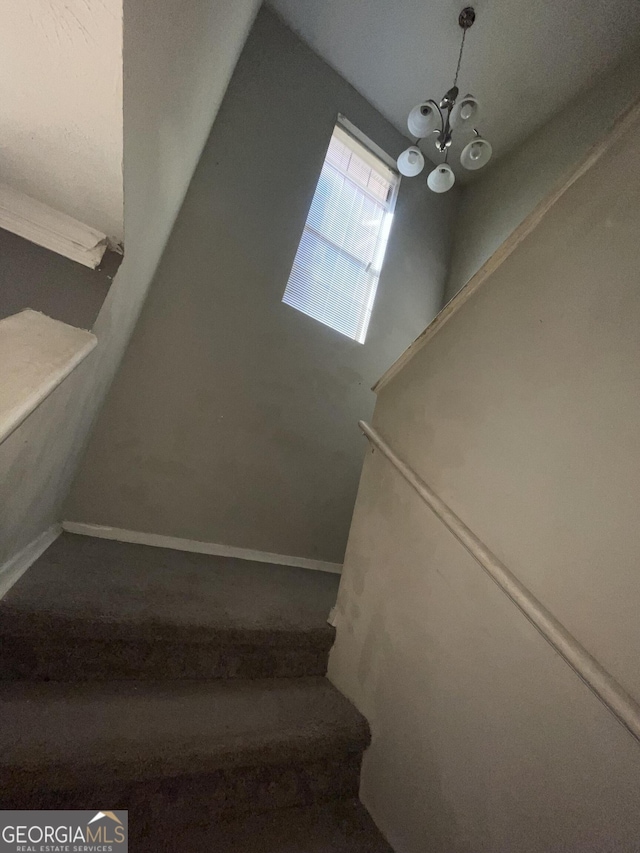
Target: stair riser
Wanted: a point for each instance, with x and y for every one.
(61, 659)
(193, 801)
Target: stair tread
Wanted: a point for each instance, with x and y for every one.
(340, 826)
(138, 730)
(98, 588)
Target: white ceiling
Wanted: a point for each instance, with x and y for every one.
(61, 106)
(523, 59)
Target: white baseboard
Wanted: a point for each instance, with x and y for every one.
(16, 566)
(175, 543)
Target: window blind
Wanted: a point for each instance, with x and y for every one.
(337, 266)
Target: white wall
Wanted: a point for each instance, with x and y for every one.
(501, 197)
(521, 413)
(61, 94)
(177, 62)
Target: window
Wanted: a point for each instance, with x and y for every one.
(337, 266)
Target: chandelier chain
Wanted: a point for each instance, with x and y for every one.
(464, 34)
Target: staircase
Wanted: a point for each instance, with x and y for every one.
(187, 689)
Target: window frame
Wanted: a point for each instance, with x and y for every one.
(385, 160)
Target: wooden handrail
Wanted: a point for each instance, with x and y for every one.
(593, 674)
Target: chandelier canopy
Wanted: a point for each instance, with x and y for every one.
(442, 119)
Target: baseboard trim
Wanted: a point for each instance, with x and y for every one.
(16, 566)
(156, 540)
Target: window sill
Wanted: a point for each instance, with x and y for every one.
(36, 355)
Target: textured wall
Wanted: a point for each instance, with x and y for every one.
(521, 413)
(234, 417)
(61, 92)
(500, 198)
(177, 63)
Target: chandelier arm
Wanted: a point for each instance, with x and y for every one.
(444, 133)
(445, 140)
(436, 106)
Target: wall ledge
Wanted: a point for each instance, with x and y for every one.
(621, 124)
(36, 355)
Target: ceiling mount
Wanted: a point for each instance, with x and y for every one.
(467, 17)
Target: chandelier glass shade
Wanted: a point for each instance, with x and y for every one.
(476, 154)
(441, 120)
(423, 120)
(411, 162)
(441, 178)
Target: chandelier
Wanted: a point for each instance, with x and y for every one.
(442, 119)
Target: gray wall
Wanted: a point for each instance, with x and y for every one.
(177, 62)
(500, 198)
(234, 417)
(522, 414)
(34, 277)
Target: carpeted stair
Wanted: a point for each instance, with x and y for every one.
(95, 609)
(185, 688)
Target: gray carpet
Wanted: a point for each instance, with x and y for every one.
(187, 689)
(340, 826)
(66, 734)
(95, 609)
(92, 584)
